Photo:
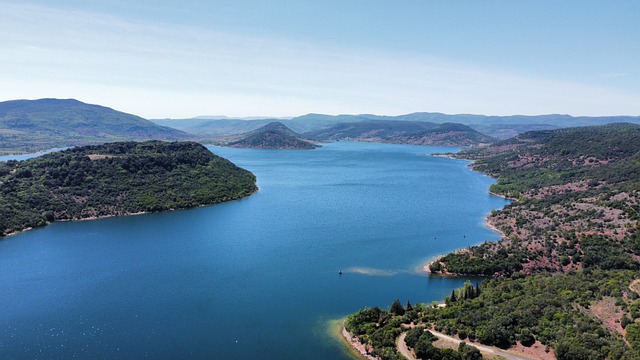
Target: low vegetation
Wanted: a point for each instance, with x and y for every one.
(115, 179)
(565, 274)
(577, 202)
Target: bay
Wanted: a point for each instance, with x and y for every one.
(255, 278)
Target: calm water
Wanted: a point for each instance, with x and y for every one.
(256, 278)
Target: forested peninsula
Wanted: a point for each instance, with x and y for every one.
(565, 276)
(120, 178)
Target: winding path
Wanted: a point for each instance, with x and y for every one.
(404, 350)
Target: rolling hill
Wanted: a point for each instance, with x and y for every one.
(404, 132)
(34, 125)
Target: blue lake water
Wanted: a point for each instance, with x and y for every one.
(256, 278)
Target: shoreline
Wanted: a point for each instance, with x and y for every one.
(502, 196)
(487, 223)
(355, 345)
(90, 218)
(426, 267)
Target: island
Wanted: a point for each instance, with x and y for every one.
(120, 178)
(564, 279)
(274, 135)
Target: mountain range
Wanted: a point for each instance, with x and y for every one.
(500, 127)
(36, 125)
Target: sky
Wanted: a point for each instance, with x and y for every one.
(282, 58)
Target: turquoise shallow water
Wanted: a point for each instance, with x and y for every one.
(256, 278)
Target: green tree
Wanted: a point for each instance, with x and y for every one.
(469, 352)
(396, 308)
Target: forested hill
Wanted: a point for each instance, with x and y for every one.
(403, 132)
(34, 125)
(115, 179)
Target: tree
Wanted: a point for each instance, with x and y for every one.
(469, 352)
(408, 307)
(396, 308)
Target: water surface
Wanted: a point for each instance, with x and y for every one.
(255, 278)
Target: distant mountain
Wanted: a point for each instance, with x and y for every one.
(500, 127)
(404, 132)
(214, 127)
(32, 125)
(274, 135)
(506, 131)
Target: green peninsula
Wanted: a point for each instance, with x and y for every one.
(112, 179)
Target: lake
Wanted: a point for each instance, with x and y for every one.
(256, 278)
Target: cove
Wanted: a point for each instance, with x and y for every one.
(255, 278)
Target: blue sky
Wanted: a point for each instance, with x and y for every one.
(178, 59)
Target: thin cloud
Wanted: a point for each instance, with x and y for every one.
(160, 70)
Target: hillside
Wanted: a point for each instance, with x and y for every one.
(403, 132)
(115, 179)
(578, 196)
(274, 135)
(34, 125)
(565, 279)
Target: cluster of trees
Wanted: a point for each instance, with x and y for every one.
(551, 309)
(115, 179)
(466, 292)
(480, 260)
(422, 340)
(380, 329)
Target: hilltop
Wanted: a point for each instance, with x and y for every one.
(34, 125)
(274, 135)
(404, 132)
(118, 178)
